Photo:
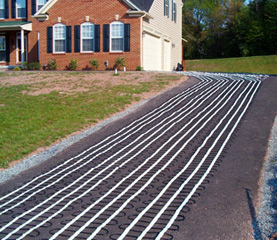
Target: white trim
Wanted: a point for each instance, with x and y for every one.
(45, 8)
(54, 46)
(37, 5)
(139, 14)
(81, 37)
(152, 32)
(18, 37)
(25, 27)
(132, 5)
(50, 3)
(112, 23)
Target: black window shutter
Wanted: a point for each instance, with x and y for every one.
(172, 18)
(165, 7)
(68, 39)
(7, 48)
(49, 39)
(34, 7)
(106, 38)
(27, 9)
(97, 38)
(77, 38)
(13, 8)
(175, 16)
(126, 37)
(6, 8)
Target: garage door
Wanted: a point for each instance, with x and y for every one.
(167, 56)
(152, 53)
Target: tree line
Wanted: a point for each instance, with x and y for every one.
(229, 28)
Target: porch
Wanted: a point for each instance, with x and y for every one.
(14, 43)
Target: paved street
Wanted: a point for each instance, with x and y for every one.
(138, 177)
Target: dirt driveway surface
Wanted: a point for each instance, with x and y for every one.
(138, 177)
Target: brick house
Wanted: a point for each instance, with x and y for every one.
(146, 33)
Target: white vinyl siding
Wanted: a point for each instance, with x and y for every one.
(2, 49)
(87, 37)
(21, 9)
(117, 36)
(167, 56)
(168, 30)
(2, 9)
(59, 38)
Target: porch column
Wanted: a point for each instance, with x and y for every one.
(22, 46)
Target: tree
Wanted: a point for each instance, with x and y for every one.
(229, 28)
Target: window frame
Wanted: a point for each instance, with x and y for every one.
(5, 47)
(54, 38)
(4, 9)
(166, 6)
(37, 9)
(16, 10)
(82, 38)
(111, 37)
(174, 11)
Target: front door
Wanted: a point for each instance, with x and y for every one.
(18, 49)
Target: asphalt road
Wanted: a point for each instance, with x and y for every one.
(185, 166)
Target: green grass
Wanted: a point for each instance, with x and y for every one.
(258, 64)
(29, 122)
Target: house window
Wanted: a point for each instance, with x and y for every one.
(117, 36)
(87, 41)
(166, 8)
(20, 8)
(2, 9)
(2, 49)
(59, 38)
(40, 4)
(174, 11)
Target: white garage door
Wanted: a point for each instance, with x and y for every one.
(152, 53)
(167, 56)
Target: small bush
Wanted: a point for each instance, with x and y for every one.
(138, 68)
(33, 66)
(94, 64)
(73, 64)
(52, 64)
(17, 69)
(25, 66)
(120, 62)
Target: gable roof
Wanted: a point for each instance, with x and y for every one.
(139, 5)
(143, 5)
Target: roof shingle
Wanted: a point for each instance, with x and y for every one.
(144, 5)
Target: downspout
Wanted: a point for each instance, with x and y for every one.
(141, 40)
(38, 47)
(22, 46)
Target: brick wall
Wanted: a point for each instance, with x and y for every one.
(73, 12)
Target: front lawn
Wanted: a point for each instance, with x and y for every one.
(258, 64)
(39, 108)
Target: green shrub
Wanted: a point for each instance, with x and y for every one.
(73, 64)
(120, 62)
(17, 69)
(138, 68)
(25, 66)
(52, 64)
(94, 64)
(33, 66)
